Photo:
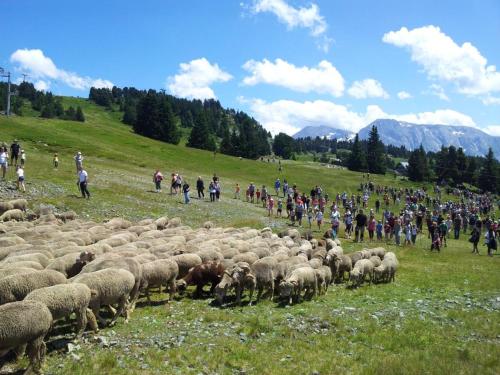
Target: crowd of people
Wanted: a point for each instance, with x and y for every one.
(17, 160)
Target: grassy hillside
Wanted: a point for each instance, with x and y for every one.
(439, 317)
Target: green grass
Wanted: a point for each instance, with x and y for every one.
(439, 317)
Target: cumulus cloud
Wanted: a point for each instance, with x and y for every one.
(42, 85)
(444, 60)
(403, 95)
(493, 130)
(40, 67)
(438, 91)
(367, 88)
(290, 116)
(301, 17)
(323, 79)
(194, 79)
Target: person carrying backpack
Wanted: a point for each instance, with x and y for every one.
(157, 179)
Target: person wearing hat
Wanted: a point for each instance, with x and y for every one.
(79, 161)
(15, 149)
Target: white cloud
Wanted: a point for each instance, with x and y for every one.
(492, 130)
(367, 88)
(323, 79)
(303, 17)
(195, 78)
(437, 90)
(42, 85)
(446, 61)
(403, 95)
(491, 100)
(41, 67)
(290, 116)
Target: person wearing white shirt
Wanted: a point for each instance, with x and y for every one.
(20, 179)
(83, 181)
(4, 160)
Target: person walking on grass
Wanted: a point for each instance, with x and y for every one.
(83, 179)
(359, 231)
(310, 216)
(348, 223)
(299, 212)
(407, 232)
(443, 232)
(157, 179)
(270, 206)
(277, 186)
(200, 187)
(279, 208)
(319, 219)
(78, 161)
(4, 160)
(414, 231)
(20, 179)
(211, 191)
(335, 222)
(474, 239)
(15, 151)
(217, 190)
(237, 192)
(397, 231)
(490, 241)
(23, 158)
(185, 190)
(372, 225)
(251, 191)
(379, 228)
(55, 161)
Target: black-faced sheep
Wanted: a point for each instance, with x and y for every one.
(65, 299)
(25, 324)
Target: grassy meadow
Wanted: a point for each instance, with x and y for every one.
(441, 316)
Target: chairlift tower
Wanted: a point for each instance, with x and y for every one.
(3, 73)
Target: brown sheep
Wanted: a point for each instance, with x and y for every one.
(201, 275)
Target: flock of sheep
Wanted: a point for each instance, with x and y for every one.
(55, 265)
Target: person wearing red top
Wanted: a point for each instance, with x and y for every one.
(372, 223)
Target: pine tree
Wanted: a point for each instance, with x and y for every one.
(470, 175)
(226, 146)
(130, 113)
(283, 145)
(200, 136)
(70, 113)
(375, 157)
(357, 158)
(488, 176)
(79, 116)
(418, 165)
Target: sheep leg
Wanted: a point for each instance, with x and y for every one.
(91, 320)
(251, 290)
(81, 321)
(122, 308)
(260, 289)
(148, 297)
(36, 352)
(171, 290)
(102, 321)
(19, 351)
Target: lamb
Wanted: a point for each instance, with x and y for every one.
(71, 264)
(111, 286)
(16, 287)
(186, 262)
(25, 323)
(20, 204)
(324, 279)
(263, 270)
(14, 214)
(362, 268)
(302, 279)
(200, 275)
(159, 272)
(65, 299)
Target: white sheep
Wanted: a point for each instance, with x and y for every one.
(360, 271)
(301, 279)
(157, 273)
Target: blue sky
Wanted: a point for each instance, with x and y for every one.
(289, 63)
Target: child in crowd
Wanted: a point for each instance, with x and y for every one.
(270, 206)
(280, 208)
(319, 219)
(20, 178)
(379, 228)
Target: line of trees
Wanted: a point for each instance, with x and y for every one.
(46, 103)
(210, 126)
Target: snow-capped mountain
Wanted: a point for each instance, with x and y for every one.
(323, 131)
(432, 137)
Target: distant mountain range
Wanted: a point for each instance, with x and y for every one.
(324, 131)
(432, 137)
